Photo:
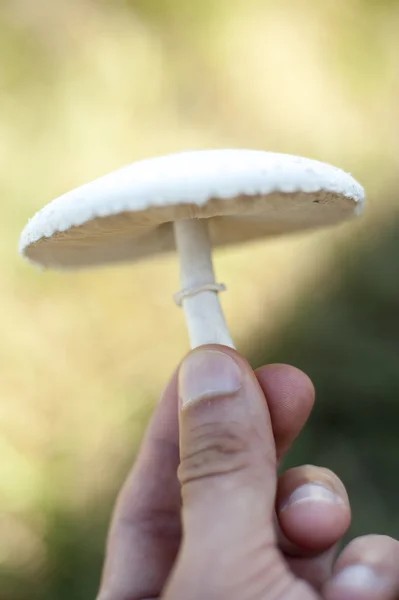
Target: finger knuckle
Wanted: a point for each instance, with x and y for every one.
(215, 450)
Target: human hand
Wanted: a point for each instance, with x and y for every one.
(204, 516)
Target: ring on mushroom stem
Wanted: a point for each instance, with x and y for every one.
(194, 291)
(192, 201)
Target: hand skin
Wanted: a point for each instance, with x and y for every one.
(204, 516)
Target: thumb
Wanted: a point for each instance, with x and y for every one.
(228, 469)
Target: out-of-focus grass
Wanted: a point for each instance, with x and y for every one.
(86, 87)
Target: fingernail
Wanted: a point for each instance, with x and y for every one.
(206, 374)
(359, 577)
(311, 492)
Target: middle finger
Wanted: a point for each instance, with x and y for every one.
(313, 514)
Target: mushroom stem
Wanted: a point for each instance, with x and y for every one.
(204, 316)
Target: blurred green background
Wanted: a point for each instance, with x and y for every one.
(90, 85)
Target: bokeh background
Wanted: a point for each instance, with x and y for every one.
(87, 86)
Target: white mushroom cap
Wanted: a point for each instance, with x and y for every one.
(245, 194)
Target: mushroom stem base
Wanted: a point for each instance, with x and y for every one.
(204, 316)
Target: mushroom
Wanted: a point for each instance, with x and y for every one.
(192, 201)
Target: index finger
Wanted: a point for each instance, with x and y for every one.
(145, 532)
